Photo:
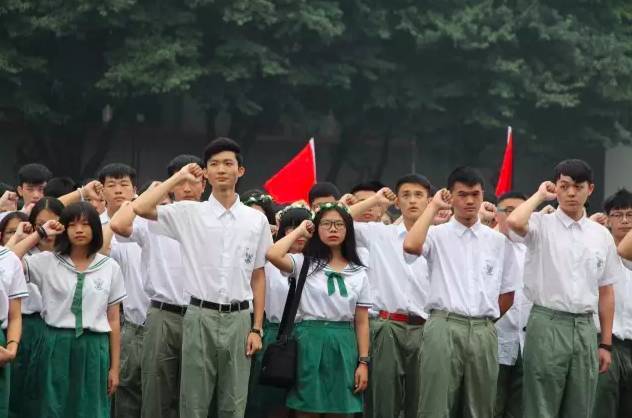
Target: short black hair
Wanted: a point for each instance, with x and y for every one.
(578, 170)
(75, 212)
(222, 144)
(466, 175)
(23, 217)
(33, 173)
(59, 186)
(367, 186)
(46, 203)
(6, 187)
(323, 189)
(511, 195)
(415, 178)
(291, 218)
(117, 171)
(622, 199)
(180, 161)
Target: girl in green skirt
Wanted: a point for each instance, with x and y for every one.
(333, 332)
(12, 290)
(266, 401)
(25, 382)
(81, 291)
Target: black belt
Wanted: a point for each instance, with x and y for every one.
(180, 310)
(222, 307)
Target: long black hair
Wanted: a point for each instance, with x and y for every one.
(76, 212)
(46, 203)
(319, 252)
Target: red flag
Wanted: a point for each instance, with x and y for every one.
(506, 170)
(294, 181)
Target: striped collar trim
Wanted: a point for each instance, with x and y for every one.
(98, 262)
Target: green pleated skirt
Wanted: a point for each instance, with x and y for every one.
(5, 383)
(26, 379)
(327, 360)
(75, 374)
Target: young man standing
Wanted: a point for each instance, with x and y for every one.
(163, 278)
(510, 327)
(119, 186)
(400, 292)
(473, 274)
(364, 191)
(570, 268)
(32, 179)
(223, 245)
(613, 398)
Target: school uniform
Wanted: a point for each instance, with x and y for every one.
(567, 261)
(511, 332)
(128, 398)
(24, 381)
(76, 353)
(262, 399)
(469, 269)
(399, 292)
(327, 345)
(12, 286)
(614, 387)
(220, 250)
(161, 355)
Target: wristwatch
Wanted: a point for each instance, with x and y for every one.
(607, 347)
(365, 360)
(257, 331)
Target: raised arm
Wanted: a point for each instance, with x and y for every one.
(416, 237)
(122, 223)
(518, 221)
(50, 228)
(145, 205)
(384, 196)
(91, 190)
(278, 253)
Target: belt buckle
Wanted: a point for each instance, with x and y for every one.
(229, 308)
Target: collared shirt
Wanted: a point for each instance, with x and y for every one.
(396, 285)
(220, 247)
(622, 324)
(33, 303)
(318, 304)
(129, 256)
(162, 268)
(510, 327)
(12, 283)
(567, 261)
(469, 268)
(277, 287)
(56, 276)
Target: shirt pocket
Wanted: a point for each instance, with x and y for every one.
(595, 261)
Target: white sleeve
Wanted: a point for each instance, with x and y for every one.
(510, 278)
(117, 288)
(613, 270)
(364, 233)
(426, 250)
(264, 244)
(173, 219)
(140, 232)
(36, 267)
(533, 231)
(365, 299)
(297, 264)
(17, 287)
(627, 263)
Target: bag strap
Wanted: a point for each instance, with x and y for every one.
(292, 302)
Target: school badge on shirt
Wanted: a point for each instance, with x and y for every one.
(489, 268)
(248, 256)
(98, 283)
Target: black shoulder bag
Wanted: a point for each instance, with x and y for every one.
(278, 366)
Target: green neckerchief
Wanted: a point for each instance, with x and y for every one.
(77, 305)
(331, 287)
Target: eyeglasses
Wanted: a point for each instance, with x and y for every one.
(619, 216)
(326, 224)
(506, 210)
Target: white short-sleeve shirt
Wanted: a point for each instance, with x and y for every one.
(33, 303)
(318, 304)
(56, 276)
(510, 327)
(162, 267)
(469, 268)
(396, 285)
(277, 287)
(567, 261)
(622, 324)
(220, 247)
(12, 283)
